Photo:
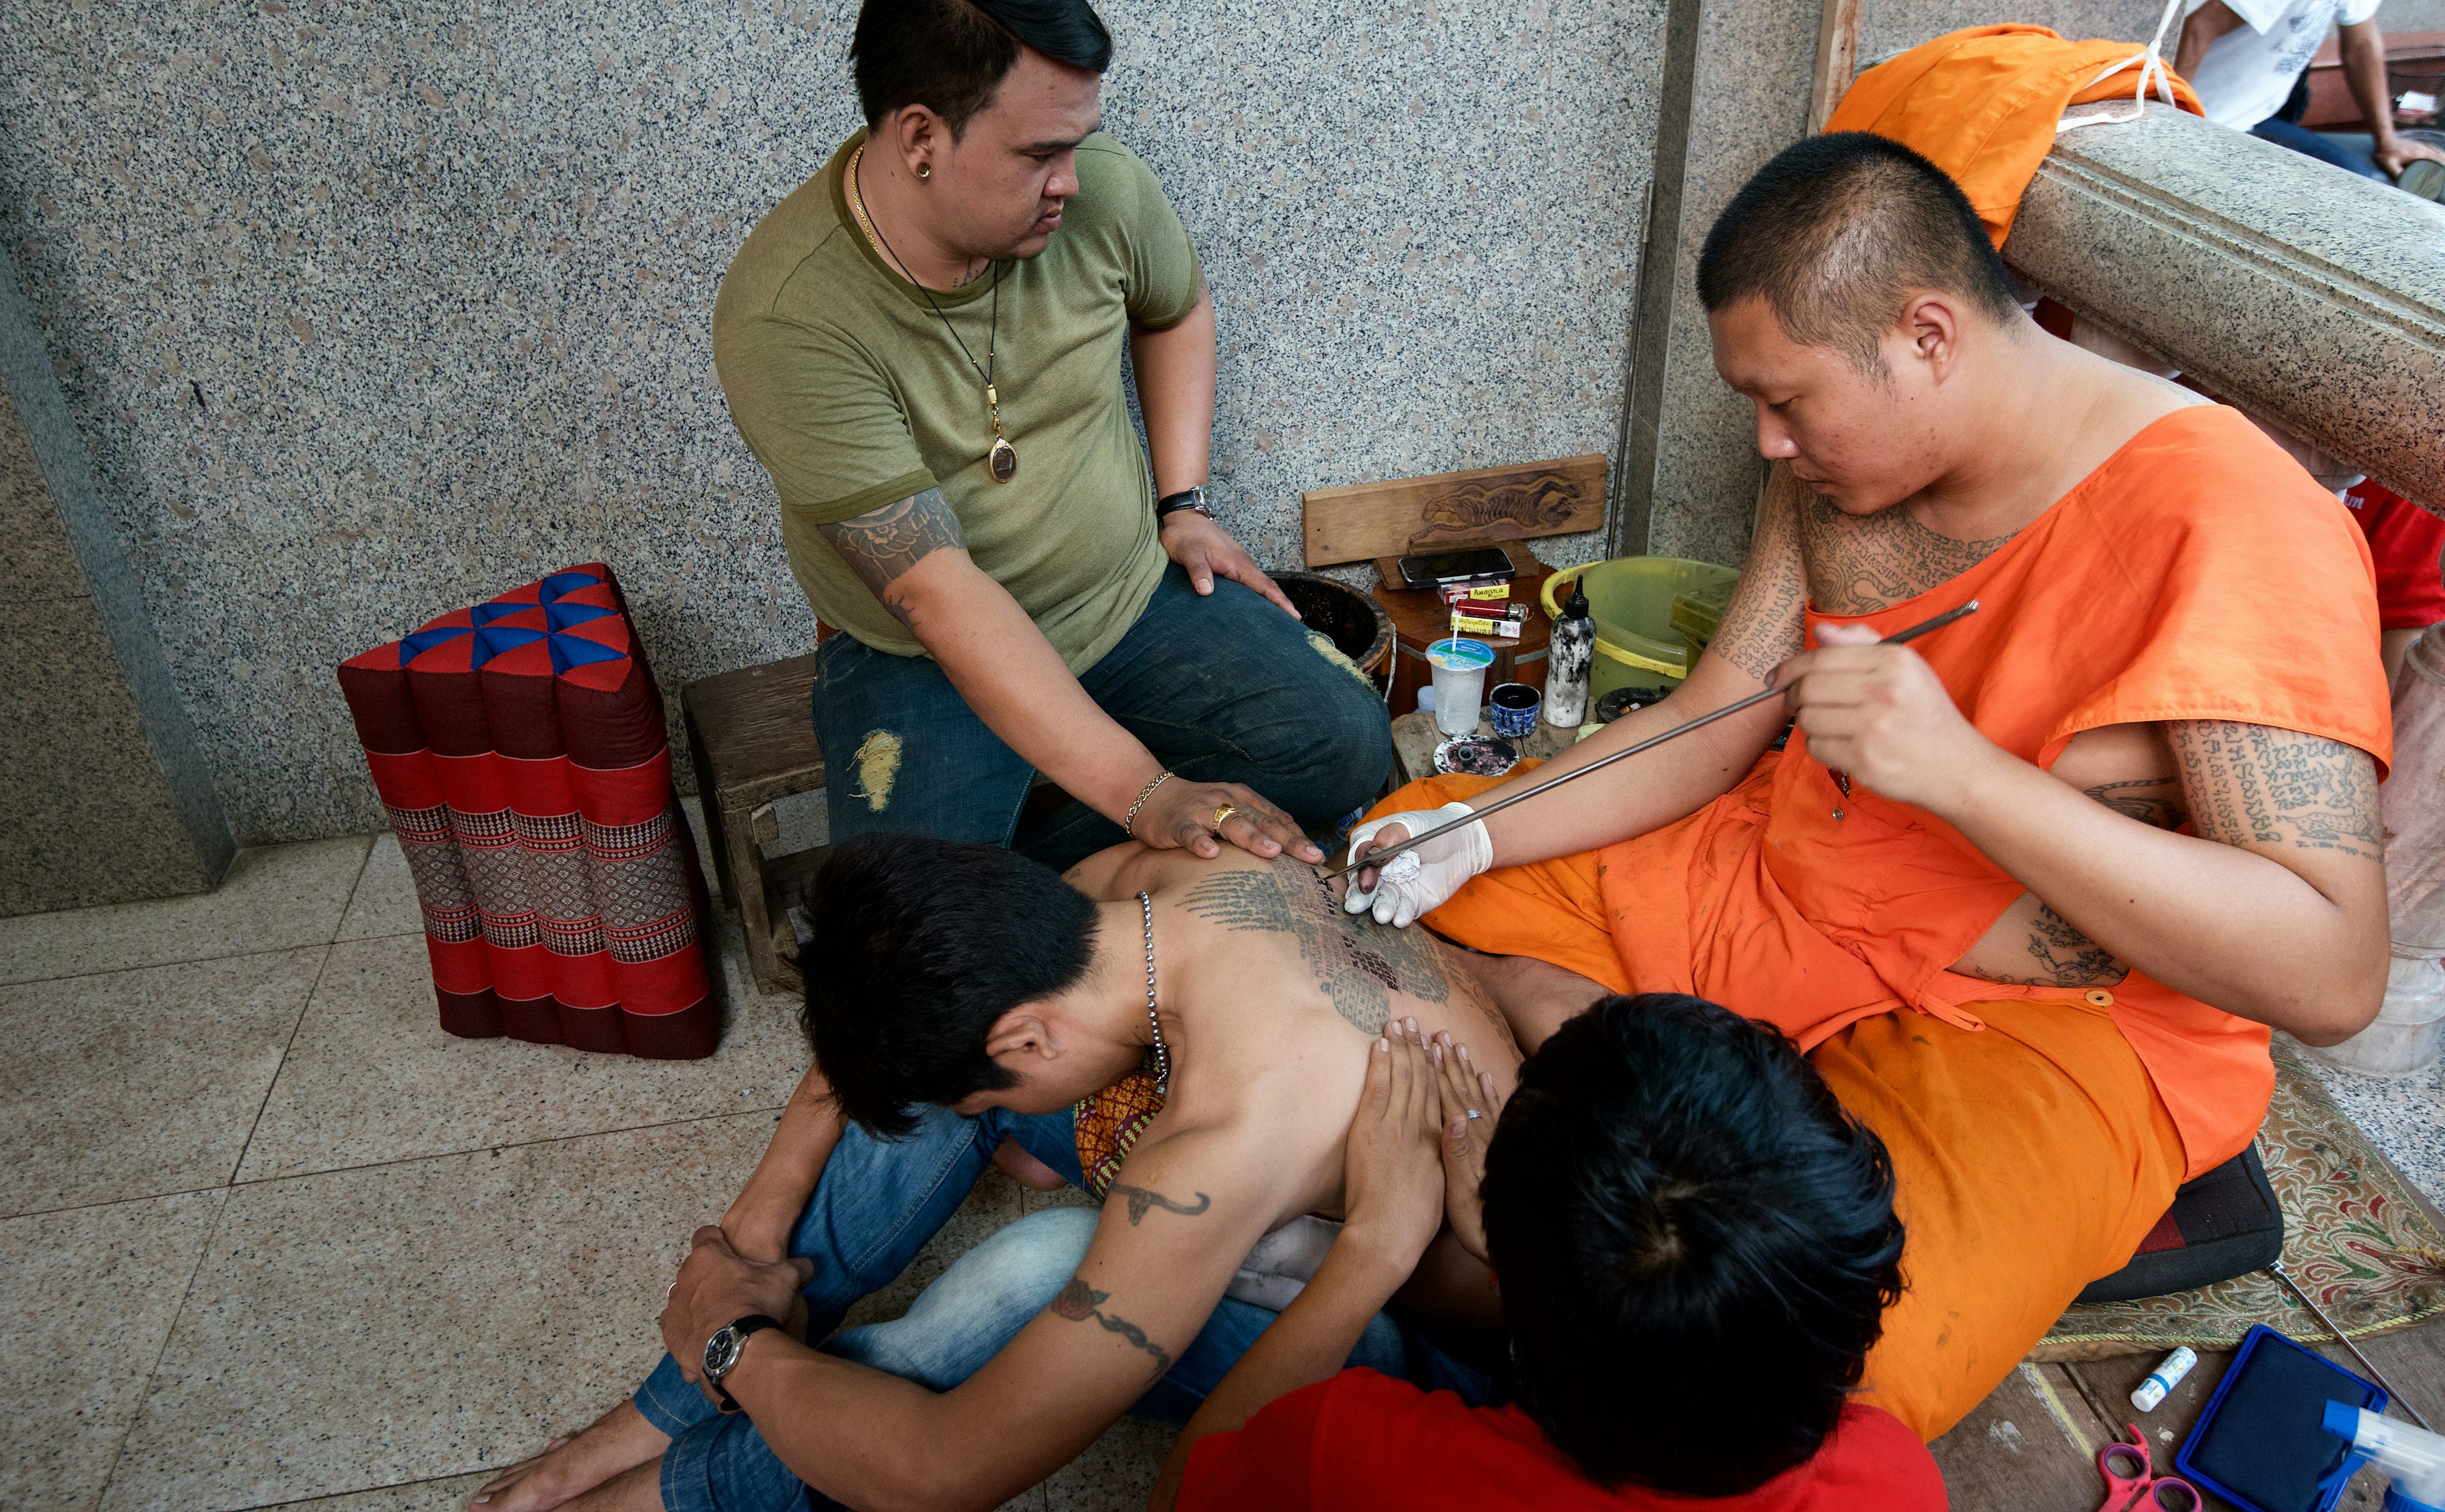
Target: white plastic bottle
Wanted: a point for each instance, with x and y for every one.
(1569, 658)
(2167, 1375)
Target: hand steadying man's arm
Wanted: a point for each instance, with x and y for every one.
(912, 557)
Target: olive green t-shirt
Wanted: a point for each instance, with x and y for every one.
(847, 388)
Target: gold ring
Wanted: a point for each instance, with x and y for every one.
(1224, 813)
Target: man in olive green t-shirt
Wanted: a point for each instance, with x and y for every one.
(923, 345)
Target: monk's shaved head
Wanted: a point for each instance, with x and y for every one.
(1838, 231)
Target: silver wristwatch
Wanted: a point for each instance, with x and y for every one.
(721, 1352)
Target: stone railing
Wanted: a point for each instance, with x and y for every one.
(2313, 297)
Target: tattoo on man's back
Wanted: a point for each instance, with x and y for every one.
(1141, 1200)
(1358, 967)
(1079, 1301)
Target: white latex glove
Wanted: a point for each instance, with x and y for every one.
(1422, 880)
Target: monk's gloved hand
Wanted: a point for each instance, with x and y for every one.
(1423, 878)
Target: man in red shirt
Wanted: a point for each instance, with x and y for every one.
(1695, 1246)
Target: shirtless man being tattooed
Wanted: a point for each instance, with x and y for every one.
(960, 996)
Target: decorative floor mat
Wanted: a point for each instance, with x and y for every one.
(2356, 1237)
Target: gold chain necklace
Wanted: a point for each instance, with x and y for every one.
(1002, 462)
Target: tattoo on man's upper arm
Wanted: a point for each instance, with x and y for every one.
(881, 545)
(1357, 968)
(1763, 624)
(2062, 957)
(2155, 801)
(1079, 1301)
(2256, 784)
(1142, 1199)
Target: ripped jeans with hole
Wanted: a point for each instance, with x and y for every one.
(1220, 689)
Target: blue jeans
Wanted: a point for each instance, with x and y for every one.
(877, 1204)
(2340, 149)
(1220, 689)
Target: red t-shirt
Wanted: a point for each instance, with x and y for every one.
(2405, 541)
(1363, 1441)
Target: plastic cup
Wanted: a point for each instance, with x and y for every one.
(1458, 668)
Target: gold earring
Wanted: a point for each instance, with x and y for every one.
(924, 171)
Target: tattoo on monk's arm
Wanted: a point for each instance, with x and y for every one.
(1079, 1301)
(1142, 1199)
(1762, 623)
(881, 545)
(2153, 801)
(2256, 784)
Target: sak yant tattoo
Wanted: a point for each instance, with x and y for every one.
(1141, 1201)
(1861, 563)
(2153, 801)
(2064, 957)
(881, 545)
(1079, 1301)
(1358, 968)
(2254, 784)
(1765, 622)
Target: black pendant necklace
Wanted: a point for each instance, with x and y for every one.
(1002, 462)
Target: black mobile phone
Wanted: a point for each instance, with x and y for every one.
(1453, 567)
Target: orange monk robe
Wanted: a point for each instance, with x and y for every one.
(1983, 103)
(2037, 1133)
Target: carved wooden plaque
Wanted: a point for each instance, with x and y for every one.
(1365, 520)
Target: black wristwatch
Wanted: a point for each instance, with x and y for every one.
(721, 1352)
(1187, 498)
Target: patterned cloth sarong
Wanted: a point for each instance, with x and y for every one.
(1108, 1125)
(520, 749)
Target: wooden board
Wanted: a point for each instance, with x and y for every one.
(1837, 60)
(1362, 520)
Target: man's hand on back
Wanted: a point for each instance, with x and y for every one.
(1205, 549)
(1470, 1106)
(1180, 815)
(1392, 1181)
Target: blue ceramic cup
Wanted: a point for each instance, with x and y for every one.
(1514, 707)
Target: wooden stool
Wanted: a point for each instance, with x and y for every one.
(1420, 618)
(752, 739)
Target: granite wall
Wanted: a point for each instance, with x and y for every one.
(104, 795)
(364, 311)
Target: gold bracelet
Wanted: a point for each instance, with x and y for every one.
(1130, 824)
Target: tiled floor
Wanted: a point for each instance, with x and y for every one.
(293, 1245)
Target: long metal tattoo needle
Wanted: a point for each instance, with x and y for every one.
(2341, 1337)
(1911, 633)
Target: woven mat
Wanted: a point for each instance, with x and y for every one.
(2356, 1237)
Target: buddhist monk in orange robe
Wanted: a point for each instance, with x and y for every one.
(2031, 890)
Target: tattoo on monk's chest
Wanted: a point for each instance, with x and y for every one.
(1858, 564)
(1357, 966)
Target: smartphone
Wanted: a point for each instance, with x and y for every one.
(1453, 567)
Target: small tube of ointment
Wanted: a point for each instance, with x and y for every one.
(2167, 1375)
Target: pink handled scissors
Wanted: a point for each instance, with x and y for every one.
(2132, 1483)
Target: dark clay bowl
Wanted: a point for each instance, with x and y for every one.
(1359, 628)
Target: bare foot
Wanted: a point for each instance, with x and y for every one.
(618, 1440)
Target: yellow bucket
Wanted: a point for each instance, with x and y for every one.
(1631, 599)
